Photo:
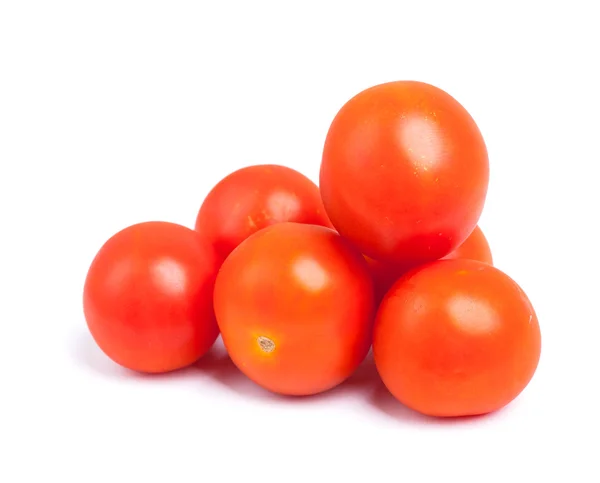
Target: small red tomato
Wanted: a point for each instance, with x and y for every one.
(475, 247)
(294, 303)
(404, 174)
(386, 273)
(256, 197)
(456, 338)
(148, 297)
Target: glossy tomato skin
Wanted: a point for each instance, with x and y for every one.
(148, 297)
(404, 173)
(475, 247)
(294, 303)
(384, 274)
(456, 338)
(255, 197)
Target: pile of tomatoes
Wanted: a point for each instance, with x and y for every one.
(301, 281)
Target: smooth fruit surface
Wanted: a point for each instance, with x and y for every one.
(255, 197)
(456, 338)
(384, 274)
(476, 247)
(404, 173)
(148, 297)
(295, 308)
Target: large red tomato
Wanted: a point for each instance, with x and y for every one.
(404, 173)
(456, 338)
(254, 197)
(294, 304)
(148, 297)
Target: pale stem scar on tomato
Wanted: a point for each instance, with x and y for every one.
(266, 345)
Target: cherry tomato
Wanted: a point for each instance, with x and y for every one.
(456, 338)
(404, 173)
(384, 274)
(253, 198)
(295, 307)
(475, 247)
(148, 297)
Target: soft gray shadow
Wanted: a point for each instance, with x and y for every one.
(364, 385)
(383, 401)
(219, 366)
(87, 354)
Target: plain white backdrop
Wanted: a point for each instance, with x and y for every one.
(116, 112)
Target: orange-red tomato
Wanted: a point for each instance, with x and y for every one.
(475, 247)
(295, 306)
(404, 173)
(384, 274)
(456, 338)
(148, 297)
(254, 197)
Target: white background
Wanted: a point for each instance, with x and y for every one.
(116, 112)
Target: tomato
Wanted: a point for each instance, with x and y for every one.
(255, 197)
(384, 274)
(475, 247)
(148, 297)
(404, 173)
(294, 304)
(456, 338)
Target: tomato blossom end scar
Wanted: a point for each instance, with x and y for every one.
(265, 344)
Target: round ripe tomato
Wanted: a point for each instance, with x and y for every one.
(255, 197)
(475, 247)
(295, 307)
(456, 338)
(384, 274)
(148, 297)
(404, 173)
